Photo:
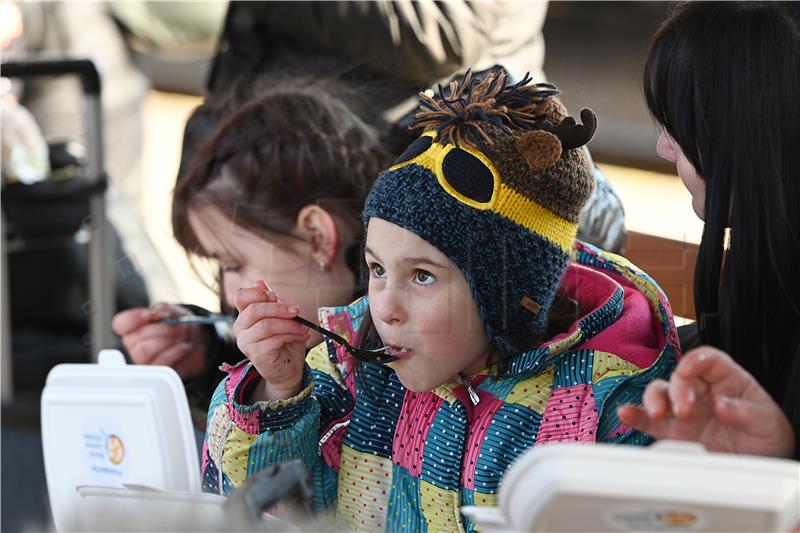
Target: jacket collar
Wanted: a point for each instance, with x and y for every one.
(602, 299)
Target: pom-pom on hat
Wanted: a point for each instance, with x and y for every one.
(496, 182)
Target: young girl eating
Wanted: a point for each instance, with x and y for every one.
(504, 333)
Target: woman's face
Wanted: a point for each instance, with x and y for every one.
(422, 309)
(667, 148)
(286, 264)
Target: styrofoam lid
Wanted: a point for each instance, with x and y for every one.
(112, 424)
(670, 486)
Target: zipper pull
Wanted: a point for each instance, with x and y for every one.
(473, 395)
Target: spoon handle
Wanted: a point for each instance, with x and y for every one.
(368, 356)
(323, 331)
(194, 319)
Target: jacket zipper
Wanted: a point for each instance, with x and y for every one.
(473, 395)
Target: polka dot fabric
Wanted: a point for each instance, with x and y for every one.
(571, 416)
(364, 484)
(416, 419)
(384, 458)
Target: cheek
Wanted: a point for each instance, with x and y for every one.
(303, 296)
(439, 326)
(431, 315)
(450, 326)
(698, 188)
(279, 267)
(693, 183)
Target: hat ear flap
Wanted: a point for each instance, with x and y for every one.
(539, 148)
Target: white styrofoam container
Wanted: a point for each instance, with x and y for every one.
(669, 486)
(111, 424)
(137, 509)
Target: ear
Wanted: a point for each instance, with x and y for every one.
(539, 148)
(318, 227)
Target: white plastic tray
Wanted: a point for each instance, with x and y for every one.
(670, 486)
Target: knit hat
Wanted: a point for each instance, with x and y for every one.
(496, 182)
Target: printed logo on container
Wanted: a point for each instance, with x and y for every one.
(115, 449)
(654, 519)
(105, 454)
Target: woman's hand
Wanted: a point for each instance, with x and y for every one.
(274, 343)
(712, 400)
(180, 346)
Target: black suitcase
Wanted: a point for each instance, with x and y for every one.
(62, 260)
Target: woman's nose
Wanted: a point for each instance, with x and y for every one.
(665, 147)
(388, 305)
(230, 285)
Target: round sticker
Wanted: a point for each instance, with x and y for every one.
(105, 454)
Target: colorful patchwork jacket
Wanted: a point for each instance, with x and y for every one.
(390, 459)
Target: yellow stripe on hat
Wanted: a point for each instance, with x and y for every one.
(536, 218)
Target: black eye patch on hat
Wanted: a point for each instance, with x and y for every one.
(468, 176)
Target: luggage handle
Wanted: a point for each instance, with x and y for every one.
(100, 268)
(43, 66)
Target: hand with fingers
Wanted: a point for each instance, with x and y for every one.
(180, 346)
(712, 400)
(272, 341)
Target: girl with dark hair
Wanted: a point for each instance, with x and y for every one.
(722, 80)
(271, 186)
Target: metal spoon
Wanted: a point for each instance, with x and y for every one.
(368, 356)
(195, 319)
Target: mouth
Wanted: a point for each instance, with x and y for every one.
(398, 351)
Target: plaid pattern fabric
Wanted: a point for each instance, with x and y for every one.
(390, 459)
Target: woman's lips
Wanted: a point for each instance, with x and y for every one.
(399, 351)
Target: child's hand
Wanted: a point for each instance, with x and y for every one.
(181, 346)
(274, 343)
(712, 400)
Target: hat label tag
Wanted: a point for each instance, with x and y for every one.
(530, 305)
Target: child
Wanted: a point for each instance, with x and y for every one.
(501, 342)
(275, 189)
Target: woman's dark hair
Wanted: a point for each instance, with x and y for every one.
(723, 79)
(285, 147)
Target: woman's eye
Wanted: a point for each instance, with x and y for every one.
(229, 268)
(376, 270)
(423, 277)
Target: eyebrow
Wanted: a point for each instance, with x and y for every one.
(411, 260)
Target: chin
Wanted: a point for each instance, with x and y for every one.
(415, 387)
(413, 383)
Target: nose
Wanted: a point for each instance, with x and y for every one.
(387, 305)
(230, 284)
(665, 147)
